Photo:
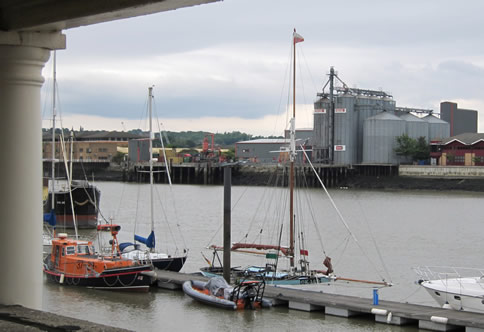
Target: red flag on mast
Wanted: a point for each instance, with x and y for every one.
(297, 37)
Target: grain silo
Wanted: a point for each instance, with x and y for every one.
(438, 128)
(415, 127)
(345, 130)
(379, 138)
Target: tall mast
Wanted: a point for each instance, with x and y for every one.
(150, 96)
(52, 174)
(296, 38)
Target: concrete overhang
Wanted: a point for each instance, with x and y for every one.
(57, 15)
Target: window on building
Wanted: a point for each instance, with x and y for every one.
(459, 159)
(88, 150)
(81, 150)
(245, 150)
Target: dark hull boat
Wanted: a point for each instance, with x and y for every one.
(85, 198)
(127, 279)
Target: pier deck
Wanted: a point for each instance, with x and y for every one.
(387, 312)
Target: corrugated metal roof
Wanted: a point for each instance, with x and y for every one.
(466, 138)
(385, 116)
(410, 117)
(433, 119)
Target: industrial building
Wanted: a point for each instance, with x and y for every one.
(461, 120)
(262, 150)
(359, 127)
(462, 150)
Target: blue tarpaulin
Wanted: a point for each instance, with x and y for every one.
(50, 218)
(149, 241)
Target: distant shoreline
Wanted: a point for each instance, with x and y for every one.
(251, 176)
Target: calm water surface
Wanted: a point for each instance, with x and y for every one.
(409, 229)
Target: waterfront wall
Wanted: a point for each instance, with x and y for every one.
(441, 171)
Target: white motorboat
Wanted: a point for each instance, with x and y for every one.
(454, 288)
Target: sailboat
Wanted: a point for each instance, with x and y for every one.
(298, 271)
(271, 272)
(159, 260)
(73, 204)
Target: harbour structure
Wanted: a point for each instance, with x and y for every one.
(272, 150)
(461, 120)
(461, 150)
(353, 126)
(382, 311)
(379, 138)
(350, 125)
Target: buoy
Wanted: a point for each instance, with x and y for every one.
(61, 280)
(438, 319)
(376, 311)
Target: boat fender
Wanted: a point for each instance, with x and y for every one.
(446, 305)
(438, 319)
(61, 280)
(381, 312)
(389, 317)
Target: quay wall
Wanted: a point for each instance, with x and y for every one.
(441, 171)
(378, 177)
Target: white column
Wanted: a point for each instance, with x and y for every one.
(22, 57)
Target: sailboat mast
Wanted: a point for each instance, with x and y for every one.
(52, 174)
(150, 93)
(292, 157)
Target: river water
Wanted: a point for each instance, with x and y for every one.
(394, 231)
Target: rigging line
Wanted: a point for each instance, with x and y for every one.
(137, 210)
(340, 215)
(240, 197)
(311, 212)
(301, 49)
(167, 167)
(167, 170)
(259, 204)
(373, 238)
(301, 81)
(166, 217)
(283, 88)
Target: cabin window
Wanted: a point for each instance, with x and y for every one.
(437, 293)
(71, 250)
(457, 298)
(84, 249)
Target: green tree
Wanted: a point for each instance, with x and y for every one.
(118, 158)
(405, 146)
(422, 149)
(411, 148)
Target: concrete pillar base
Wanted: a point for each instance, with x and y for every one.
(303, 306)
(394, 320)
(341, 312)
(428, 325)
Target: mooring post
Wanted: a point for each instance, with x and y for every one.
(227, 222)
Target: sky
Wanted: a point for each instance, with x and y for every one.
(225, 66)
